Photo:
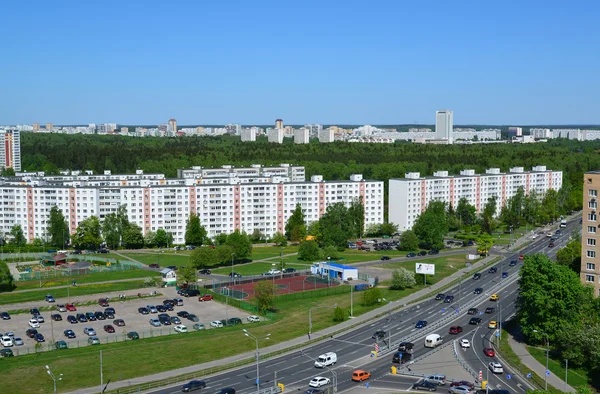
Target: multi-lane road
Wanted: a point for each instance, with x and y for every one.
(354, 348)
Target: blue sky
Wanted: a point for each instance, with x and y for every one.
(344, 62)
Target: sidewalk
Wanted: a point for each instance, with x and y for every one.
(531, 363)
(302, 340)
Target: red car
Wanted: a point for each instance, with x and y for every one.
(109, 328)
(488, 351)
(521, 257)
(455, 330)
(103, 302)
(205, 297)
(462, 383)
(70, 307)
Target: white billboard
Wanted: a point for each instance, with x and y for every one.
(427, 269)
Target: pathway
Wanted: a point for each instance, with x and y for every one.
(534, 365)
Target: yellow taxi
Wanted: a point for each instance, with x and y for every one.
(493, 324)
(494, 297)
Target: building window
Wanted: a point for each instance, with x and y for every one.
(593, 193)
(592, 217)
(591, 266)
(591, 242)
(592, 229)
(589, 278)
(591, 254)
(592, 204)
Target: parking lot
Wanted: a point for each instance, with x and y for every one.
(206, 311)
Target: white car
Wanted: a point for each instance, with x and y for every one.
(18, 341)
(273, 271)
(89, 331)
(33, 323)
(253, 319)
(496, 367)
(216, 324)
(181, 328)
(318, 381)
(464, 343)
(61, 308)
(6, 341)
(39, 318)
(152, 308)
(460, 390)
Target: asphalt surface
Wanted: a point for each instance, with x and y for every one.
(354, 348)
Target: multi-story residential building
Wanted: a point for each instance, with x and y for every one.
(276, 136)
(225, 199)
(279, 124)
(327, 135)
(443, 125)
(590, 228)
(49, 127)
(10, 149)
(248, 134)
(410, 196)
(36, 127)
(301, 136)
(172, 125)
(515, 132)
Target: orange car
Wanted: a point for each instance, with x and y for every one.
(359, 375)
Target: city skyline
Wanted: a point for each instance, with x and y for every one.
(360, 63)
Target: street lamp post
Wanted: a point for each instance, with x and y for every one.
(249, 335)
(226, 303)
(232, 274)
(547, 355)
(53, 377)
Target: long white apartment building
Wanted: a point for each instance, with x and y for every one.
(409, 197)
(223, 204)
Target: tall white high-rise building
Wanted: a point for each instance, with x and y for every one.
(443, 125)
(301, 136)
(249, 134)
(276, 136)
(327, 135)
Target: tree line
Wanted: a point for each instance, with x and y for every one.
(338, 160)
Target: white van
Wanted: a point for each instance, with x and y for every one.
(325, 360)
(563, 223)
(433, 340)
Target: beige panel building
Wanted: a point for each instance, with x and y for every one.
(590, 227)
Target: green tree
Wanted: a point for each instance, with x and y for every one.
(432, 225)
(88, 234)
(226, 254)
(133, 237)
(204, 257)
(549, 207)
(402, 279)
(220, 239)
(186, 274)
(161, 239)
(264, 293)
(257, 236)
(356, 217)
(388, 229)
(338, 315)
(295, 228)
(409, 241)
(485, 243)
(241, 244)
(373, 230)
(452, 219)
(279, 239)
(551, 296)
(371, 296)
(308, 251)
(331, 253)
(150, 239)
(512, 211)
(487, 222)
(110, 231)
(531, 207)
(58, 228)
(336, 226)
(570, 256)
(6, 278)
(466, 213)
(18, 238)
(195, 233)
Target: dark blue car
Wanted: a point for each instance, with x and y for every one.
(421, 324)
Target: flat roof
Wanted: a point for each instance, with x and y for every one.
(346, 267)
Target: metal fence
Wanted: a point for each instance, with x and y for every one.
(218, 283)
(66, 270)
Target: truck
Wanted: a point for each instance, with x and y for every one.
(406, 347)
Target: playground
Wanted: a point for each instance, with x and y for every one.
(285, 285)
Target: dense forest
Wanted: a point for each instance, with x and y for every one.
(53, 152)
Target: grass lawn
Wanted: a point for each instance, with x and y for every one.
(121, 361)
(576, 377)
(444, 266)
(265, 252)
(13, 298)
(256, 268)
(81, 279)
(165, 259)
